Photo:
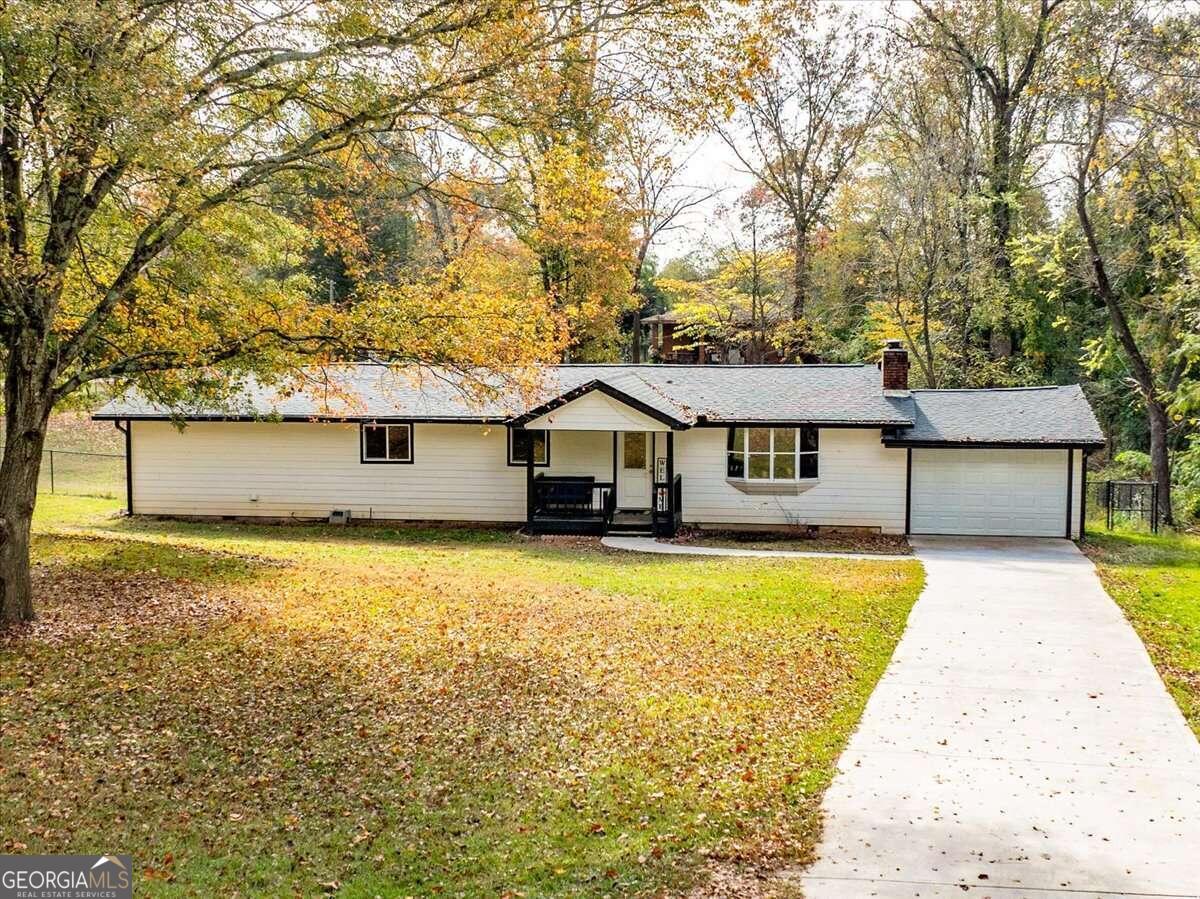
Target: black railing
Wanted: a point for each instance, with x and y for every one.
(572, 504)
(667, 512)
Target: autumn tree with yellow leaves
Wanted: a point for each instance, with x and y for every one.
(142, 146)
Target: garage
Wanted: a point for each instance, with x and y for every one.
(989, 492)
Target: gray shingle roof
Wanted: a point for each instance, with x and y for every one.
(1020, 415)
(685, 394)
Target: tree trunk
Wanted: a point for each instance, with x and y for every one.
(1000, 182)
(800, 275)
(25, 417)
(1156, 411)
(1160, 461)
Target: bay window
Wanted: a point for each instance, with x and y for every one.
(772, 454)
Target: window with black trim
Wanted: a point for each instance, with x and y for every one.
(387, 442)
(772, 454)
(519, 442)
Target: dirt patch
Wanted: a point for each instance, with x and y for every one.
(736, 882)
(567, 541)
(798, 540)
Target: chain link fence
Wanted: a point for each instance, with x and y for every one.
(77, 473)
(1123, 505)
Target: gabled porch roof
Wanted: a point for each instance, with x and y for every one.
(599, 406)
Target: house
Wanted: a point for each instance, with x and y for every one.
(736, 342)
(644, 448)
(670, 348)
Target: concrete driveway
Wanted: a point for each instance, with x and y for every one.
(1019, 744)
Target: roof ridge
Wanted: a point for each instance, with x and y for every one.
(694, 367)
(991, 389)
(623, 365)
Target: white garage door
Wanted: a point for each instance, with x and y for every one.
(989, 492)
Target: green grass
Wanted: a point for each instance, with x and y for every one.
(82, 457)
(1156, 580)
(262, 710)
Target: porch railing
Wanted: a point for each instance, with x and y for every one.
(668, 507)
(580, 500)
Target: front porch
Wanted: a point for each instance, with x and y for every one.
(639, 493)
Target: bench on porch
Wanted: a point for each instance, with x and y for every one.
(571, 505)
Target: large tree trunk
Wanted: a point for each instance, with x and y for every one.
(800, 275)
(1160, 461)
(1000, 182)
(25, 416)
(19, 476)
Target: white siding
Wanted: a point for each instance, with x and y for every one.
(861, 484)
(1016, 492)
(596, 411)
(459, 472)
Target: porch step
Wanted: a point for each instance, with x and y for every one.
(631, 524)
(629, 530)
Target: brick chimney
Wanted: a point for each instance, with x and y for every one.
(895, 366)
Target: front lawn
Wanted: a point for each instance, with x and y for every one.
(255, 710)
(1156, 580)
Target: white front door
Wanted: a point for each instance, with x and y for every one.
(1017, 493)
(633, 478)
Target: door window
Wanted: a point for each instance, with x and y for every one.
(635, 450)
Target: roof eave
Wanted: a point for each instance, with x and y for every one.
(710, 422)
(992, 444)
(315, 419)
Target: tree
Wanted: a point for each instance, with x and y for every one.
(742, 304)
(1137, 199)
(133, 134)
(805, 118)
(928, 237)
(552, 145)
(651, 167)
(1008, 53)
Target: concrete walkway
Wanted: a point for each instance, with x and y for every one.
(650, 545)
(1019, 744)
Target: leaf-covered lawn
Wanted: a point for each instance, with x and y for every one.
(258, 710)
(1156, 580)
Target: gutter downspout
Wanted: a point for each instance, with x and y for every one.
(127, 431)
(1070, 486)
(1082, 492)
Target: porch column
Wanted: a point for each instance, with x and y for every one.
(671, 482)
(529, 501)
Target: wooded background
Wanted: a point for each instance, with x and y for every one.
(1013, 188)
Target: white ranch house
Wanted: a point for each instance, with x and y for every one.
(633, 448)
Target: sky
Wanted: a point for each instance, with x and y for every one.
(711, 166)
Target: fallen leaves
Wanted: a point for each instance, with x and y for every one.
(466, 718)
